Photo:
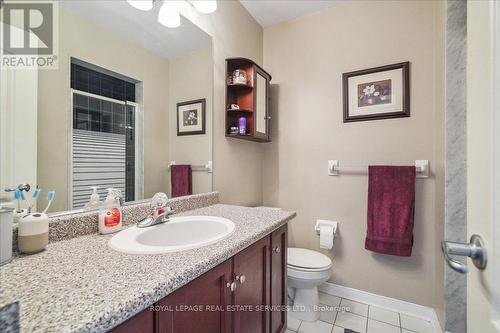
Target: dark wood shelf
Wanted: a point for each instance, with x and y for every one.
(239, 110)
(247, 137)
(240, 86)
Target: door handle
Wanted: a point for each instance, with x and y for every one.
(475, 250)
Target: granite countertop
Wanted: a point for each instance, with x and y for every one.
(81, 285)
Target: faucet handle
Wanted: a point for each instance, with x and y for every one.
(20, 187)
(158, 201)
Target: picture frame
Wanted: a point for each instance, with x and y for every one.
(191, 117)
(377, 93)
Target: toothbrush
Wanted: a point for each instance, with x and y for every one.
(50, 197)
(26, 200)
(35, 195)
(18, 197)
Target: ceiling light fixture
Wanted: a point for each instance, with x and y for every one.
(169, 11)
(205, 6)
(144, 5)
(169, 14)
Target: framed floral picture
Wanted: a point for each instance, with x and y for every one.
(377, 93)
(191, 117)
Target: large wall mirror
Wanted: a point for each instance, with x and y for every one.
(129, 107)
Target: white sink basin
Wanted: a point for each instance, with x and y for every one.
(178, 234)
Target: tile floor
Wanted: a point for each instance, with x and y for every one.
(362, 318)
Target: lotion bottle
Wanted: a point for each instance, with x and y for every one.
(94, 202)
(110, 214)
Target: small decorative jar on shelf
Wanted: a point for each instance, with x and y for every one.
(239, 76)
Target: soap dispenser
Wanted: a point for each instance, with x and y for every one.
(110, 215)
(94, 202)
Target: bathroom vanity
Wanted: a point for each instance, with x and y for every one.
(80, 284)
(246, 293)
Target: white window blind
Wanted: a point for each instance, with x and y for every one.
(98, 160)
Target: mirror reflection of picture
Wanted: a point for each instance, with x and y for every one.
(191, 117)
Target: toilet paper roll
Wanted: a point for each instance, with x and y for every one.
(326, 237)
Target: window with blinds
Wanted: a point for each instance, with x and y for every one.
(103, 140)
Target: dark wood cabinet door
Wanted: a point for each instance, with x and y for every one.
(140, 323)
(253, 293)
(279, 244)
(200, 306)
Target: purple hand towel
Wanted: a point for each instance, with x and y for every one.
(391, 207)
(180, 180)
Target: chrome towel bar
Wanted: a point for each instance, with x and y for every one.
(334, 168)
(207, 167)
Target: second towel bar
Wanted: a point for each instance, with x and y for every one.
(207, 167)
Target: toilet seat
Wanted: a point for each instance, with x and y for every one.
(307, 260)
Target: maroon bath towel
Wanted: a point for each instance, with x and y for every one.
(391, 206)
(180, 179)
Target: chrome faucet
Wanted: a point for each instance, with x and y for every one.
(160, 212)
(21, 187)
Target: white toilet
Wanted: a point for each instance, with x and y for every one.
(307, 269)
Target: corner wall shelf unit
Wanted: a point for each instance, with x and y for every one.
(252, 99)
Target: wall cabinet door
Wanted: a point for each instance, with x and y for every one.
(279, 244)
(261, 104)
(251, 272)
(200, 306)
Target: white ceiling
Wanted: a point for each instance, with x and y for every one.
(142, 27)
(270, 12)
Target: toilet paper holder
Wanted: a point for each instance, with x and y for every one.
(320, 223)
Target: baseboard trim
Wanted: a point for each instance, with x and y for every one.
(388, 303)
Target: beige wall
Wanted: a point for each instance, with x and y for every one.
(80, 38)
(191, 78)
(306, 58)
(237, 163)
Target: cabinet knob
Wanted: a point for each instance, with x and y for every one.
(268, 117)
(231, 285)
(241, 278)
(276, 249)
